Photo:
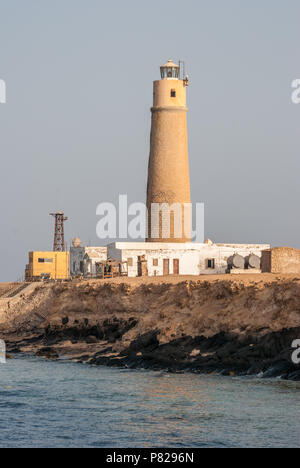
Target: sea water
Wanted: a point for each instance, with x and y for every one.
(63, 404)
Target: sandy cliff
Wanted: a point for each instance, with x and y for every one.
(225, 324)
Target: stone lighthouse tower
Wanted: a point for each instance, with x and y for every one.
(168, 173)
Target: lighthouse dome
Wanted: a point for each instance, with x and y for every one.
(170, 70)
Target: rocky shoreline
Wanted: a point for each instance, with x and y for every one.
(228, 327)
(223, 354)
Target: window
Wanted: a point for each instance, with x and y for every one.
(45, 260)
(130, 262)
(211, 263)
(155, 262)
(173, 93)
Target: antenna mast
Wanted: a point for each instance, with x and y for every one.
(59, 232)
(182, 69)
(182, 74)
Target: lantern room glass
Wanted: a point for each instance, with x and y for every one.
(169, 72)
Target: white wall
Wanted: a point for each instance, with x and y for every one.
(192, 257)
(93, 255)
(89, 256)
(76, 256)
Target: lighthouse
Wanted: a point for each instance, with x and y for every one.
(169, 249)
(168, 189)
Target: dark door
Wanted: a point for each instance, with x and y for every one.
(139, 265)
(166, 266)
(176, 266)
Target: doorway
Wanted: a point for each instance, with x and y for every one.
(176, 266)
(166, 266)
(139, 265)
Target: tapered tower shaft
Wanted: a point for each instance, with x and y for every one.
(168, 173)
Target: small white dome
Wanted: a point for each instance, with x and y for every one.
(170, 63)
(76, 242)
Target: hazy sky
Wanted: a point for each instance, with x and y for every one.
(75, 129)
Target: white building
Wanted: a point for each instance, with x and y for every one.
(162, 259)
(93, 260)
(85, 261)
(185, 259)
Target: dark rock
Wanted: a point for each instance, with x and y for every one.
(65, 320)
(83, 358)
(254, 370)
(225, 372)
(284, 376)
(48, 353)
(91, 339)
(295, 376)
(276, 370)
(144, 341)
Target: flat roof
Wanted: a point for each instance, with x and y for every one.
(179, 246)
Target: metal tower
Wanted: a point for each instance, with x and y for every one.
(59, 233)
